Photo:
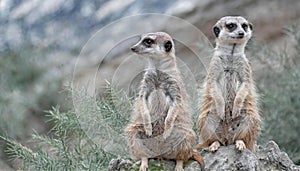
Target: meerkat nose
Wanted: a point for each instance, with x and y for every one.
(241, 33)
(133, 48)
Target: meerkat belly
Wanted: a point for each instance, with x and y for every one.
(230, 86)
(157, 104)
(158, 108)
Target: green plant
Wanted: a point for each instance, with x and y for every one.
(70, 145)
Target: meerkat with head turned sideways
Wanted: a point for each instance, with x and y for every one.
(161, 124)
(229, 112)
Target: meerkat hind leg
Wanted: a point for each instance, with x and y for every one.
(144, 164)
(214, 146)
(179, 165)
(240, 145)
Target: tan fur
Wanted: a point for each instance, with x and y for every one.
(161, 124)
(229, 112)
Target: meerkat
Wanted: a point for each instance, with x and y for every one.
(161, 124)
(229, 112)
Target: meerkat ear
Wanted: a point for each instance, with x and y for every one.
(216, 30)
(251, 26)
(168, 46)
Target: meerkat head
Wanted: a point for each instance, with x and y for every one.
(155, 45)
(232, 30)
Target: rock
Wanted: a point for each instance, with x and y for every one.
(228, 158)
(268, 157)
(271, 156)
(119, 164)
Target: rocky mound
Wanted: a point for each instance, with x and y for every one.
(268, 157)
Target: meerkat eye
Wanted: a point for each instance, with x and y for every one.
(245, 26)
(231, 26)
(148, 42)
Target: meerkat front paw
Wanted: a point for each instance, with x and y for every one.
(167, 133)
(169, 124)
(148, 129)
(221, 114)
(222, 117)
(235, 112)
(167, 130)
(240, 145)
(214, 146)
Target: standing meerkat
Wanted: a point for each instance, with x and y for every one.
(161, 124)
(229, 112)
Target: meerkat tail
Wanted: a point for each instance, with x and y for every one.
(199, 159)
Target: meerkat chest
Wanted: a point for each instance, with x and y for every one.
(160, 82)
(160, 90)
(231, 69)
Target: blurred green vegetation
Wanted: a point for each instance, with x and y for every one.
(67, 149)
(279, 89)
(26, 89)
(69, 146)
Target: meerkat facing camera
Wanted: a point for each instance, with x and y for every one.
(229, 112)
(161, 124)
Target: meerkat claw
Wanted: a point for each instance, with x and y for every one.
(235, 113)
(223, 118)
(149, 133)
(166, 134)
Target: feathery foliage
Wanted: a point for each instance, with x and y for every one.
(71, 146)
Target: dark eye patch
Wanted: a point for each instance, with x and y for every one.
(231, 26)
(245, 26)
(148, 42)
(216, 31)
(168, 46)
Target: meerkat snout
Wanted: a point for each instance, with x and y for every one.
(133, 49)
(241, 34)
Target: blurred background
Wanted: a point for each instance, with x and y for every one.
(41, 40)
